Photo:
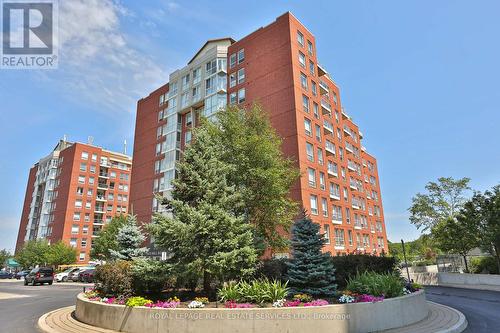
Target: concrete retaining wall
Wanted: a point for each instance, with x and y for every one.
(469, 279)
(339, 318)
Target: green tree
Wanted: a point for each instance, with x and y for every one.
(206, 235)
(458, 234)
(129, 239)
(4, 255)
(261, 172)
(310, 270)
(443, 200)
(107, 239)
(34, 252)
(60, 254)
(489, 207)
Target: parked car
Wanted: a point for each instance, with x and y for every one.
(40, 275)
(64, 276)
(86, 275)
(73, 276)
(21, 274)
(5, 275)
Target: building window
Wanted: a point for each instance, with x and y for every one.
(72, 242)
(324, 207)
(316, 110)
(232, 60)
(79, 190)
(349, 235)
(320, 156)
(76, 216)
(185, 81)
(305, 103)
(241, 75)
(311, 67)
(83, 166)
(187, 137)
(85, 229)
(309, 47)
(94, 157)
(211, 67)
(314, 204)
(83, 244)
(241, 95)
(300, 38)
(322, 185)
(310, 151)
(326, 228)
(196, 75)
(311, 176)
(92, 168)
(85, 155)
(307, 127)
(348, 215)
(91, 180)
(314, 88)
(339, 237)
(302, 59)
(78, 203)
(75, 229)
(82, 255)
(241, 56)
(232, 98)
(87, 217)
(189, 118)
(318, 132)
(232, 80)
(303, 80)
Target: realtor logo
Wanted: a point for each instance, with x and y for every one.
(28, 33)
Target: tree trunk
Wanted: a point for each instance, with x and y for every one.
(206, 281)
(466, 266)
(497, 255)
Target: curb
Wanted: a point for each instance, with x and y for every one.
(458, 327)
(42, 325)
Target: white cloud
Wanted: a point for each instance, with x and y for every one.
(97, 61)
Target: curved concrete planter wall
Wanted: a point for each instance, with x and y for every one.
(357, 317)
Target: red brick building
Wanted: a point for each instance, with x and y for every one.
(276, 66)
(72, 193)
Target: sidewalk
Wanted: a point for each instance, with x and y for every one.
(441, 319)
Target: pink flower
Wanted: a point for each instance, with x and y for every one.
(292, 304)
(369, 298)
(160, 304)
(234, 305)
(317, 302)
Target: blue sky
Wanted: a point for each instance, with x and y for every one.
(419, 77)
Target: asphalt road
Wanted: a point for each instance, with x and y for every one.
(481, 307)
(20, 314)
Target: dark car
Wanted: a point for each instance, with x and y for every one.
(21, 274)
(5, 275)
(39, 275)
(86, 275)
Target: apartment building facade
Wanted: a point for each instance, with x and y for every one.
(72, 193)
(276, 66)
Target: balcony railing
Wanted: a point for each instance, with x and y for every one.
(326, 106)
(328, 126)
(323, 88)
(337, 219)
(329, 147)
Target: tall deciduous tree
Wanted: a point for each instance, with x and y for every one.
(443, 200)
(489, 206)
(261, 172)
(310, 270)
(129, 239)
(208, 233)
(4, 255)
(34, 252)
(107, 239)
(60, 254)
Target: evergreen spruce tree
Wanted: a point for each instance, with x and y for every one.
(129, 239)
(205, 235)
(310, 271)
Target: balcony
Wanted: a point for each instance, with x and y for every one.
(100, 198)
(352, 166)
(102, 186)
(332, 172)
(328, 126)
(357, 226)
(345, 115)
(99, 209)
(347, 130)
(329, 148)
(353, 185)
(323, 88)
(98, 222)
(103, 175)
(335, 196)
(339, 247)
(360, 135)
(326, 107)
(337, 219)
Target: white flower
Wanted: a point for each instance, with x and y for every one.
(406, 291)
(346, 299)
(279, 303)
(196, 304)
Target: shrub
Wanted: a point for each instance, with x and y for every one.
(302, 297)
(350, 265)
(486, 265)
(138, 301)
(150, 276)
(114, 279)
(272, 269)
(257, 291)
(372, 283)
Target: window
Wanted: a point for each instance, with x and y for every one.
(311, 67)
(232, 60)
(76, 216)
(94, 157)
(337, 213)
(311, 176)
(339, 237)
(307, 127)
(303, 80)
(83, 244)
(305, 103)
(232, 80)
(83, 166)
(72, 242)
(189, 118)
(314, 88)
(302, 59)
(85, 229)
(300, 38)
(87, 217)
(185, 82)
(92, 168)
(196, 75)
(335, 100)
(326, 228)
(310, 151)
(322, 180)
(91, 180)
(78, 203)
(88, 204)
(324, 207)
(112, 174)
(162, 99)
(232, 98)
(318, 132)
(320, 156)
(316, 110)
(349, 235)
(211, 67)
(241, 95)
(348, 216)
(241, 56)
(187, 137)
(309, 47)
(75, 229)
(334, 190)
(196, 93)
(85, 155)
(314, 204)
(241, 75)
(79, 190)
(184, 99)
(82, 255)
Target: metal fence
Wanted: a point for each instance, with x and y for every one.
(454, 263)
